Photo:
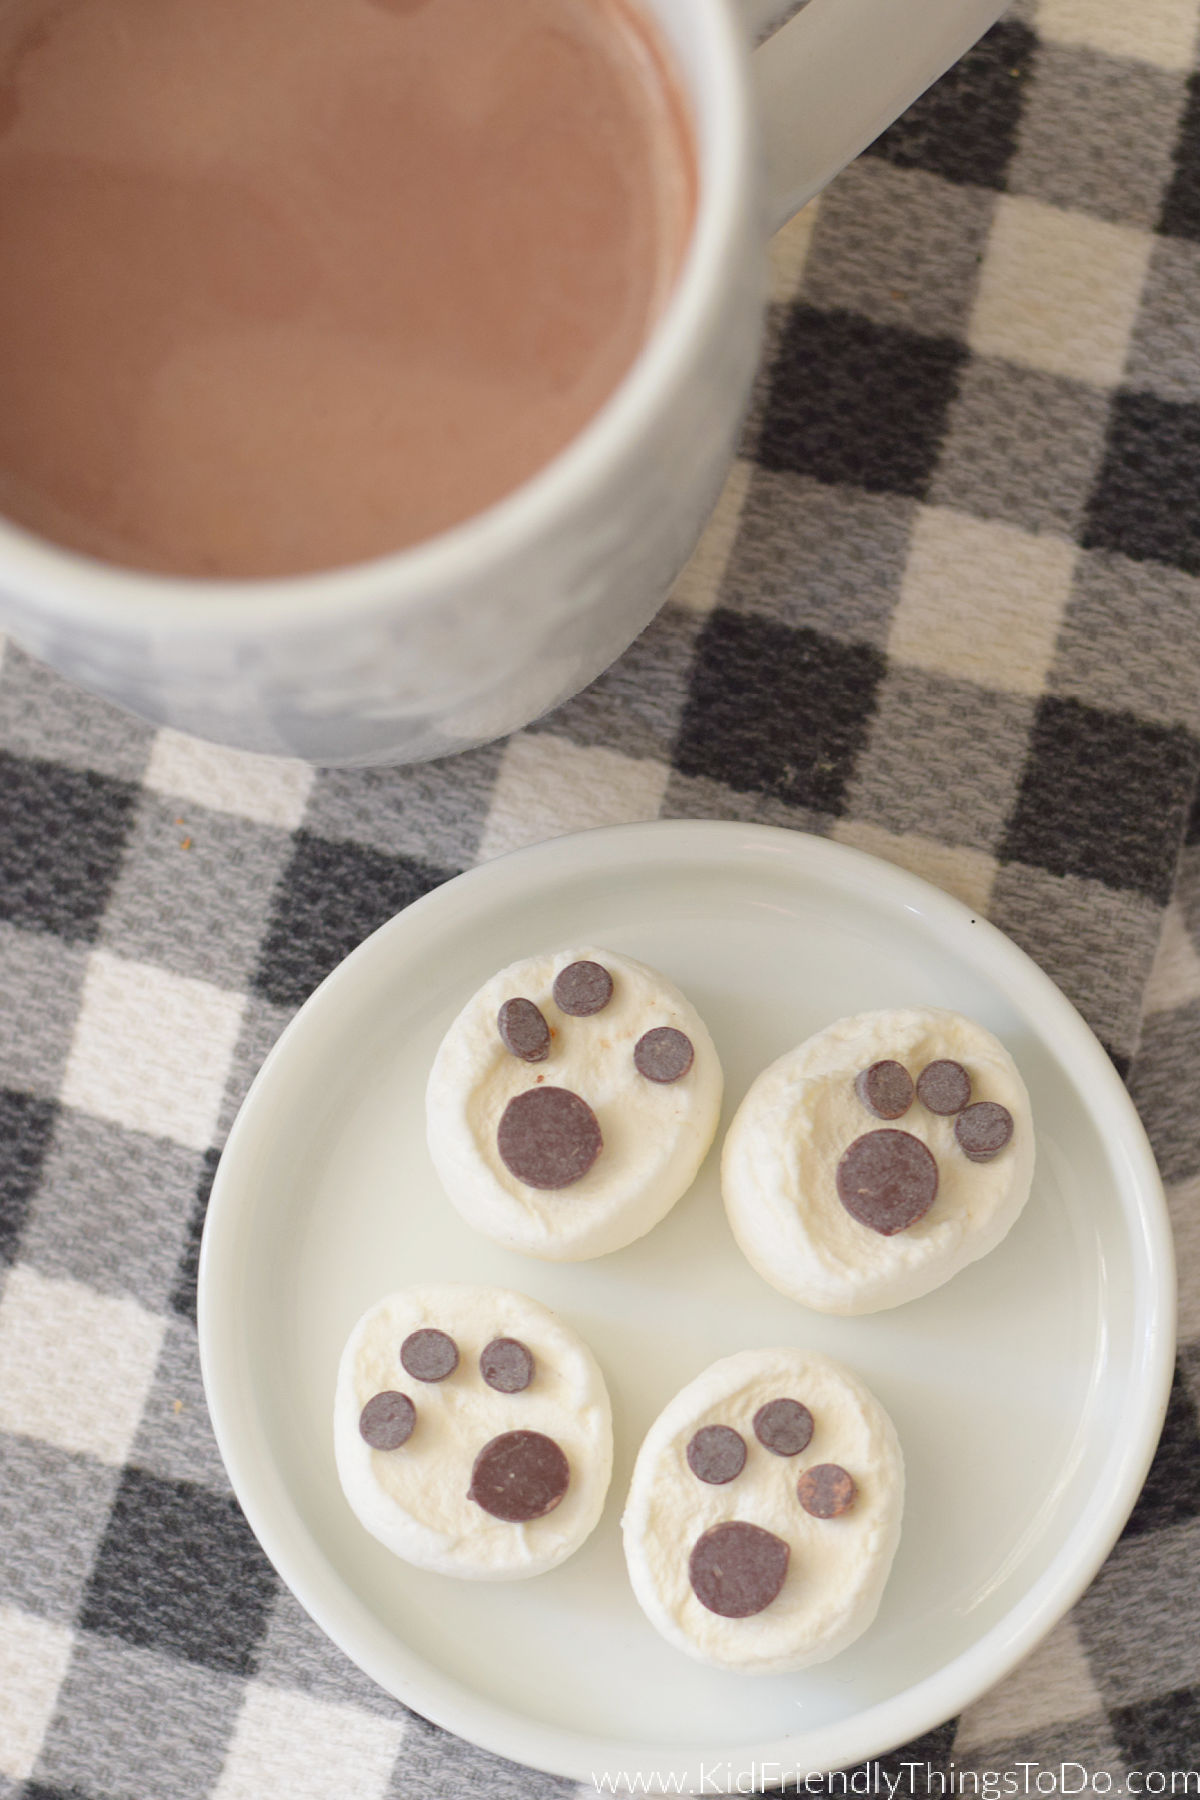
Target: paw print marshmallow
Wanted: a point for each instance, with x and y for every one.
(764, 1512)
(571, 1104)
(472, 1431)
(879, 1158)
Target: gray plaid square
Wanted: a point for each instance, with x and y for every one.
(1165, 1084)
(900, 246)
(1021, 445)
(942, 757)
(1130, 639)
(175, 1439)
(1189, 1368)
(432, 810)
(296, 1653)
(41, 715)
(700, 797)
(1096, 942)
(436, 1763)
(1096, 135)
(262, 1024)
(1137, 1620)
(1164, 350)
(1049, 1687)
(1187, 888)
(135, 1192)
(1089, 1743)
(635, 707)
(53, 1508)
(194, 890)
(35, 1038)
(818, 554)
(129, 1723)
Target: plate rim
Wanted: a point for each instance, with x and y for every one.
(919, 1707)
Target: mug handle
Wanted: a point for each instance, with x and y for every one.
(838, 72)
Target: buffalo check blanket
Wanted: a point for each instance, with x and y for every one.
(948, 610)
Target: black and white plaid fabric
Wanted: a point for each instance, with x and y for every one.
(948, 611)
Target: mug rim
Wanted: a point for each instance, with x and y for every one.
(67, 585)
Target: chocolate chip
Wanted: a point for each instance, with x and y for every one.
(737, 1569)
(523, 1030)
(663, 1054)
(886, 1089)
(826, 1490)
(784, 1427)
(717, 1453)
(429, 1355)
(983, 1130)
(583, 988)
(519, 1475)
(943, 1086)
(548, 1137)
(506, 1365)
(387, 1420)
(887, 1180)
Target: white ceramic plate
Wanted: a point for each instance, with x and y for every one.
(1028, 1392)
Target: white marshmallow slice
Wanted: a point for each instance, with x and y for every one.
(779, 1169)
(653, 1133)
(424, 1498)
(834, 1568)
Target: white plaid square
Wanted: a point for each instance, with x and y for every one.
(787, 254)
(33, 1660)
(955, 868)
(1183, 1204)
(981, 600)
(700, 583)
(1059, 290)
(1175, 976)
(546, 786)
(268, 789)
(287, 1743)
(1163, 34)
(75, 1366)
(151, 1050)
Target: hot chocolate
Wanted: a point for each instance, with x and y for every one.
(291, 285)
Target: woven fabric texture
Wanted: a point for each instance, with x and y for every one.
(947, 611)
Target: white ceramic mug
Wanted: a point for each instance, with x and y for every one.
(468, 636)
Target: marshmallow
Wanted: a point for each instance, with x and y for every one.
(571, 1103)
(764, 1512)
(472, 1431)
(879, 1158)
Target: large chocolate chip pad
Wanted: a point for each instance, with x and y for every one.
(548, 1137)
(519, 1475)
(737, 1569)
(887, 1180)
